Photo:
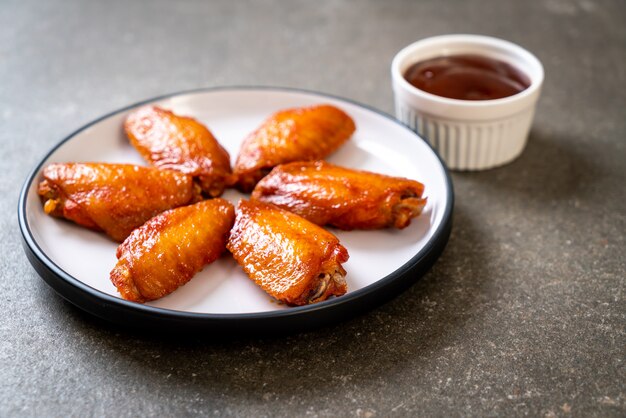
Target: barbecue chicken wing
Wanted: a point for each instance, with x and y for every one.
(326, 194)
(114, 198)
(168, 250)
(292, 259)
(302, 134)
(180, 143)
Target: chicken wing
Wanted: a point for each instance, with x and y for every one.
(168, 250)
(292, 259)
(302, 134)
(326, 194)
(180, 143)
(114, 198)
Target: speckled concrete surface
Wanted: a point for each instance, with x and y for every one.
(524, 314)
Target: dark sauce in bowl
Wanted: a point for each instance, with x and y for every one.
(467, 77)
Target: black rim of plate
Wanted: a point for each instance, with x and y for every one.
(132, 314)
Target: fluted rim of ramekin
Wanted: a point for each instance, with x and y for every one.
(467, 109)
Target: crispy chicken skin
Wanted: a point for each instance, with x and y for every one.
(180, 143)
(327, 194)
(290, 258)
(301, 134)
(168, 250)
(114, 198)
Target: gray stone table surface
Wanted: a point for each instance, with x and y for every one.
(524, 313)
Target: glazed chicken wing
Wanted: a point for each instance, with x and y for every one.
(180, 143)
(114, 198)
(302, 134)
(326, 194)
(169, 249)
(292, 259)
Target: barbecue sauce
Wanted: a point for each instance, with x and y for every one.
(467, 77)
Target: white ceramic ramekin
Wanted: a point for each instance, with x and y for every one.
(468, 134)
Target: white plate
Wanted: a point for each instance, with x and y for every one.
(380, 144)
